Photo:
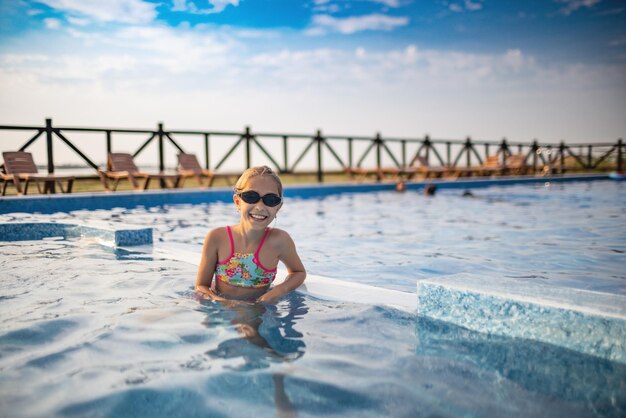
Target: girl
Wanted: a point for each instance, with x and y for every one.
(243, 257)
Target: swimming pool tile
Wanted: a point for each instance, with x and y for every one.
(589, 322)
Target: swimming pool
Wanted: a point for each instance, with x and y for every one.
(95, 331)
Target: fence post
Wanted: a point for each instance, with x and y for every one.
(49, 147)
(320, 173)
(589, 157)
(427, 148)
(379, 143)
(109, 150)
(161, 153)
(468, 154)
(207, 155)
(51, 185)
(448, 153)
(285, 154)
(562, 157)
(620, 161)
(248, 137)
(403, 142)
(350, 154)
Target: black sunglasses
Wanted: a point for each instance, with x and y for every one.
(270, 199)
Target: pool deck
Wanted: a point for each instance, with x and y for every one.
(150, 198)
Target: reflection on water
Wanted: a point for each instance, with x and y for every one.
(266, 332)
(266, 335)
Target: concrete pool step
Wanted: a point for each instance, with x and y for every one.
(107, 233)
(585, 321)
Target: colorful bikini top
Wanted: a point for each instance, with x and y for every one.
(244, 270)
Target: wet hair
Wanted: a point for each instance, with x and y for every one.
(261, 170)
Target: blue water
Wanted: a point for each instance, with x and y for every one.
(91, 331)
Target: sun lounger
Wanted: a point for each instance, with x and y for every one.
(380, 173)
(121, 166)
(516, 164)
(19, 166)
(188, 166)
(420, 166)
(492, 165)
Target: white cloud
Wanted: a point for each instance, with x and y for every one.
(141, 74)
(454, 7)
(51, 23)
(124, 11)
(217, 6)
(468, 5)
(571, 6)
(473, 6)
(331, 6)
(78, 21)
(350, 25)
(389, 3)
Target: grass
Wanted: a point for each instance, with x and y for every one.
(93, 184)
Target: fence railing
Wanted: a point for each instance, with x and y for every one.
(289, 152)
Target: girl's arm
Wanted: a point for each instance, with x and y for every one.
(206, 270)
(295, 269)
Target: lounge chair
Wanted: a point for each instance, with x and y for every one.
(420, 166)
(380, 173)
(19, 166)
(188, 166)
(492, 165)
(516, 164)
(7, 179)
(121, 166)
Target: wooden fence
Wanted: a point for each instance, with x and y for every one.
(331, 153)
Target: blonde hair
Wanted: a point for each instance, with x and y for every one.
(260, 170)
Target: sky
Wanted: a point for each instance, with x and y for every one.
(550, 70)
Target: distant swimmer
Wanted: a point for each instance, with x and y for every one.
(430, 190)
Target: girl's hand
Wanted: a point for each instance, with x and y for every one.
(266, 298)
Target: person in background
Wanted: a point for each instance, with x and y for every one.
(430, 190)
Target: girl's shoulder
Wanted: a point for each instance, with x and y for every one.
(278, 233)
(279, 237)
(217, 234)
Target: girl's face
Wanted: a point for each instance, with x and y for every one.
(258, 215)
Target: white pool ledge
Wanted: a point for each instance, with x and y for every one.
(317, 286)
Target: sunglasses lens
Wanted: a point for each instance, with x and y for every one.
(250, 197)
(253, 197)
(271, 200)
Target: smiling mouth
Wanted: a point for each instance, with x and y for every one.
(258, 217)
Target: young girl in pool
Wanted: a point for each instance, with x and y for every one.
(243, 257)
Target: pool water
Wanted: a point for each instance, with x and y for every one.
(89, 330)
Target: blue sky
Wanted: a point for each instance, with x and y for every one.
(551, 69)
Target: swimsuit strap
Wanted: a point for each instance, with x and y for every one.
(256, 253)
(232, 242)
